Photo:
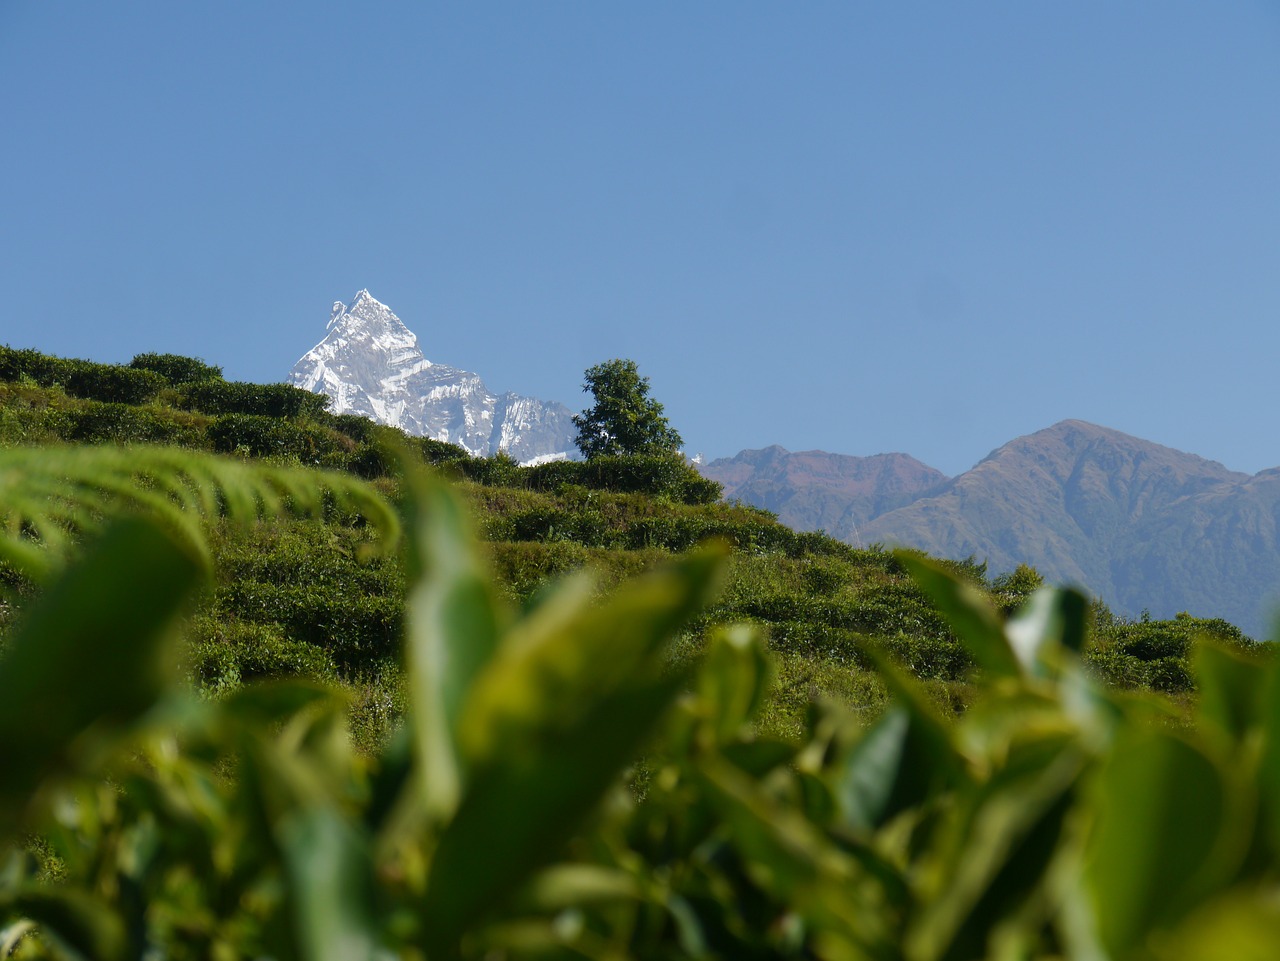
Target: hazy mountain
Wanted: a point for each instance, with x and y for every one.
(1139, 524)
(370, 363)
(814, 490)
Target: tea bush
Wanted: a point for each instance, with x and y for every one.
(259, 400)
(511, 816)
(110, 383)
(265, 436)
(176, 369)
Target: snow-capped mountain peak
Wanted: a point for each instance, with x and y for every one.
(370, 363)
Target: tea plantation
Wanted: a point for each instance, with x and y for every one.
(302, 598)
(249, 709)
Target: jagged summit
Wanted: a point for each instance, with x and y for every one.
(370, 363)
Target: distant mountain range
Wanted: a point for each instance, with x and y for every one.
(1135, 523)
(370, 364)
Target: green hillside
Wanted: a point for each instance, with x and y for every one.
(570, 780)
(302, 597)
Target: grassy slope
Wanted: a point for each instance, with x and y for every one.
(297, 597)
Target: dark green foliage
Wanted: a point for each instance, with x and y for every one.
(1158, 654)
(225, 653)
(96, 422)
(309, 583)
(525, 568)
(1012, 589)
(500, 470)
(263, 400)
(177, 369)
(662, 475)
(265, 436)
(624, 419)
(936, 658)
(110, 383)
(1052, 822)
(438, 452)
(355, 629)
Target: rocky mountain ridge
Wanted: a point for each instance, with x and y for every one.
(371, 364)
(1136, 523)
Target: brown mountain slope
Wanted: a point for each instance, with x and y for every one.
(1136, 523)
(1141, 525)
(814, 490)
(1069, 499)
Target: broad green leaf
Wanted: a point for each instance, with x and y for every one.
(1232, 686)
(791, 859)
(905, 757)
(1051, 618)
(869, 775)
(268, 702)
(571, 652)
(47, 493)
(453, 627)
(518, 813)
(554, 716)
(1171, 826)
(1241, 925)
(967, 610)
(759, 756)
(564, 886)
(93, 655)
(733, 679)
(1002, 839)
(330, 873)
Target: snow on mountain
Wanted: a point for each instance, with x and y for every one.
(370, 363)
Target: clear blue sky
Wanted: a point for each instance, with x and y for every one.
(860, 227)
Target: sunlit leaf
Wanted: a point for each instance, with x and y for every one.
(554, 716)
(453, 627)
(967, 610)
(1051, 618)
(1170, 829)
(733, 679)
(331, 885)
(48, 493)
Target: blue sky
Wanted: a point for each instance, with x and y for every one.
(926, 227)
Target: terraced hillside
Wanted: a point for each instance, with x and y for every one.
(303, 597)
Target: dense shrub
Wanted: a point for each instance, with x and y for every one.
(111, 383)
(97, 422)
(353, 627)
(586, 527)
(261, 436)
(819, 640)
(370, 461)
(226, 653)
(177, 369)
(931, 658)
(439, 452)
(525, 567)
(823, 579)
(264, 400)
(658, 475)
(501, 470)
(1157, 654)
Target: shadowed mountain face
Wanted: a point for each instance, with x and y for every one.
(1138, 524)
(813, 490)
